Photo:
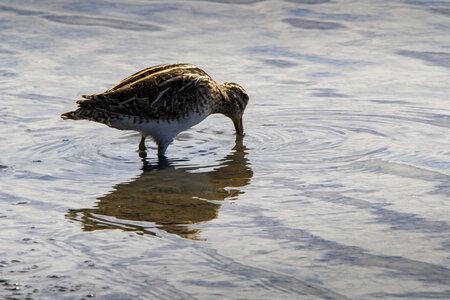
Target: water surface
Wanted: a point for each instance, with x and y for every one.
(339, 190)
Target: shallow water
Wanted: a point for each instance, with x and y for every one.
(340, 188)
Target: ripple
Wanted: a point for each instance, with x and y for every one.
(280, 63)
(437, 58)
(93, 149)
(309, 1)
(83, 20)
(235, 1)
(312, 24)
(318, 138)
(441, 10)
(105, 22)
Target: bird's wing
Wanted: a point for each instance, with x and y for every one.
(156, 96)
(161, 70)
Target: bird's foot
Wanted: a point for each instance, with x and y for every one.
(142, 148)
(142, 153)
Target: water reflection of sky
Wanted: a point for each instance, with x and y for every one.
(340, 189)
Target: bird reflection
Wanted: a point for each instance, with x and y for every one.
(169, 197)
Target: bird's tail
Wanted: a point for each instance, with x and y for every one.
(79, 114)
(71, 115)
(90, 114)
(85, 109)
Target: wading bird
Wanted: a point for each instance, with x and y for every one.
(161, 101)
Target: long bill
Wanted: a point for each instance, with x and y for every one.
(238, 126)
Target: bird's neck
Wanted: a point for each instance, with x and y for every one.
(222, 103)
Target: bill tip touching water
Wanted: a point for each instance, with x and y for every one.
(161, 101)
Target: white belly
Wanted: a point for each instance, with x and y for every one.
(160, 130)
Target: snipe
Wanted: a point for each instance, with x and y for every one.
(161, 101)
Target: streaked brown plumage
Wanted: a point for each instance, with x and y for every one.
(162, 101)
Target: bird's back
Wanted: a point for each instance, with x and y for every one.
(166, 92)
(160, 73)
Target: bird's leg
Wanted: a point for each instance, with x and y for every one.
(142, 148)
(162, 147)
(162, 151)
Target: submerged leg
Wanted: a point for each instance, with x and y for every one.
(162, 147)
(142, 148)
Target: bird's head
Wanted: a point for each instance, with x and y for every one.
(235, 105)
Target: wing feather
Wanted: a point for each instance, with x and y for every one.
(170, 94)
(154, 71)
